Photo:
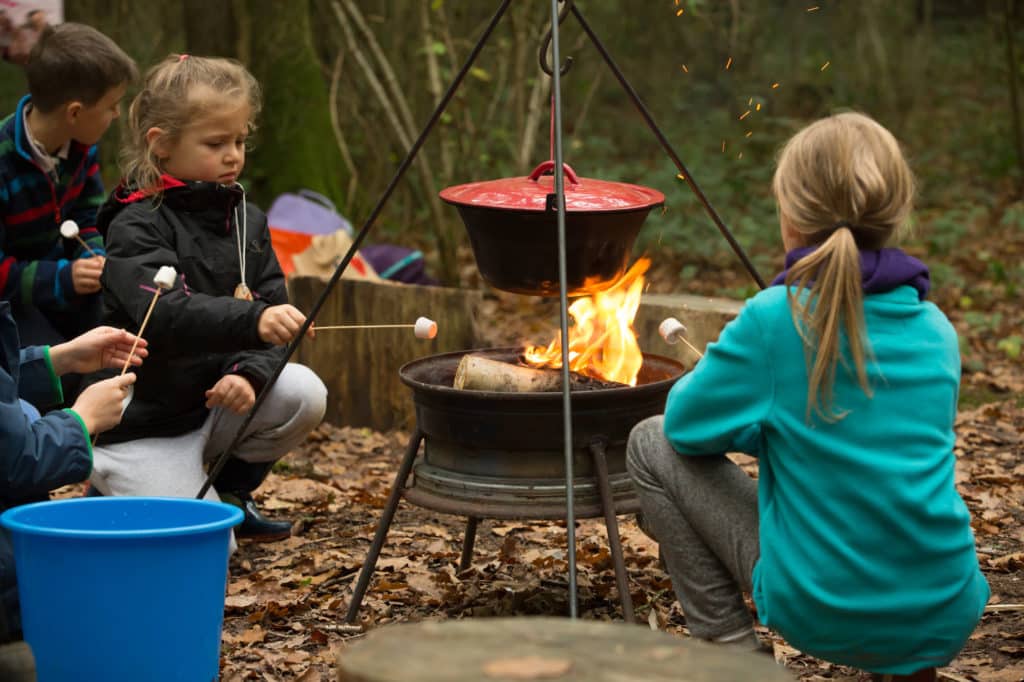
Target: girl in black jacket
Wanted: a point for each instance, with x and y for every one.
(216, 337)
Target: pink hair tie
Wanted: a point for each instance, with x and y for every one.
(182, 57)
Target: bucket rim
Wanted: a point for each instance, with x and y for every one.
(9, 519)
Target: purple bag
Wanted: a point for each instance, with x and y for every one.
(398, 264)
(306, 212)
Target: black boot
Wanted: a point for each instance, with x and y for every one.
(236, 482)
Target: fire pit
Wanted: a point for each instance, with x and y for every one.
(499, 455)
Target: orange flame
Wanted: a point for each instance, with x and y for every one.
(602, 343)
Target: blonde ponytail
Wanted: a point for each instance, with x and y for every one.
(844, 185)
(834, 304)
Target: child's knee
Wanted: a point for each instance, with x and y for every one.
(306, 394)
(645, 438)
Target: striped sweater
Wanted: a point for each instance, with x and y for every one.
(34, 258)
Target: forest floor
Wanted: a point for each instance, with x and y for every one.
(287, 601)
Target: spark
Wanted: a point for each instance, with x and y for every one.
(723, 146)
(685, 70)
(749, 133)
(758, 107)
(681, 177)
(728, 64)
(740, 155)
(745, 114)
(813, 9)
(825, 65)
(774, 86)
(750, 101)
(680, 12)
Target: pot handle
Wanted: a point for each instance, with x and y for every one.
(548, 166)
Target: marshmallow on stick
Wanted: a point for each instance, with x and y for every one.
(164, 279)
(424, 328)
(69, 230)
(674, 331)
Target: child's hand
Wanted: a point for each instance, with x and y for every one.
(232, 392)
(99, 406)
(280, 323)
(85, 274)
(96, 349)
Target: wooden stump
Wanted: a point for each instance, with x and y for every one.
(704, 319)
(360, 366)
(508, 649)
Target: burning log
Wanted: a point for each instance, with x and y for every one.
(478, 373)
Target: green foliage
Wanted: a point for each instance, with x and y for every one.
(940, 85)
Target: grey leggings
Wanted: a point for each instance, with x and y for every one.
(703, 511)
(174, 466)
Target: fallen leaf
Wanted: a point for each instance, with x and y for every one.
(239, 601)
(1008, 563)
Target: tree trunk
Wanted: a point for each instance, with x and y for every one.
(294, 142)
(1012, 67)
(210, 29)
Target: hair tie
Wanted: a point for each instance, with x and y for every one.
(843, 223)
(182, 57)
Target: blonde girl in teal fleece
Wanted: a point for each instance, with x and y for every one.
(842, 379)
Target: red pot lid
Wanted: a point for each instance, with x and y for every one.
(530, 193)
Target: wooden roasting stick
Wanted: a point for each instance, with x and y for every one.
(164, 280)
(424, 328)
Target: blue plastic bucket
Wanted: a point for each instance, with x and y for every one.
(123, 588)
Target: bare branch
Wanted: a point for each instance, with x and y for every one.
(339, 136)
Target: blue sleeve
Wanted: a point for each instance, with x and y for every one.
(721, 405)
(37, 382)
(46, 454)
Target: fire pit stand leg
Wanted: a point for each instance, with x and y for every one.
(597, 450)
(467, 543)
(404, 469)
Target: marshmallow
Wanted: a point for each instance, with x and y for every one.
(672, 330)
(69, 229)
(425, 328)
(165, 277)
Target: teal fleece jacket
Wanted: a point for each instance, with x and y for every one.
(867, 555)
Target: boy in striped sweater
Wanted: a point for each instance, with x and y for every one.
(49, 174)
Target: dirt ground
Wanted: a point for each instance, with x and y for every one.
(287, 601)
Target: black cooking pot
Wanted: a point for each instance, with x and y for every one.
(513, 229)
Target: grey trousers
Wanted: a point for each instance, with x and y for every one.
(174, 467)
(703, 511)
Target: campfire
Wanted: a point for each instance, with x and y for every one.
(602, 343)
(603, 349)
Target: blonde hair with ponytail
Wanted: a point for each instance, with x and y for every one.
(177, 92)
(844, 184)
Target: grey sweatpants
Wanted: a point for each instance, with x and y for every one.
(174, 467)
(703, 511)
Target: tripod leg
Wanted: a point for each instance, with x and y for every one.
(467, 543)
(404, 469)
(612, 526)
